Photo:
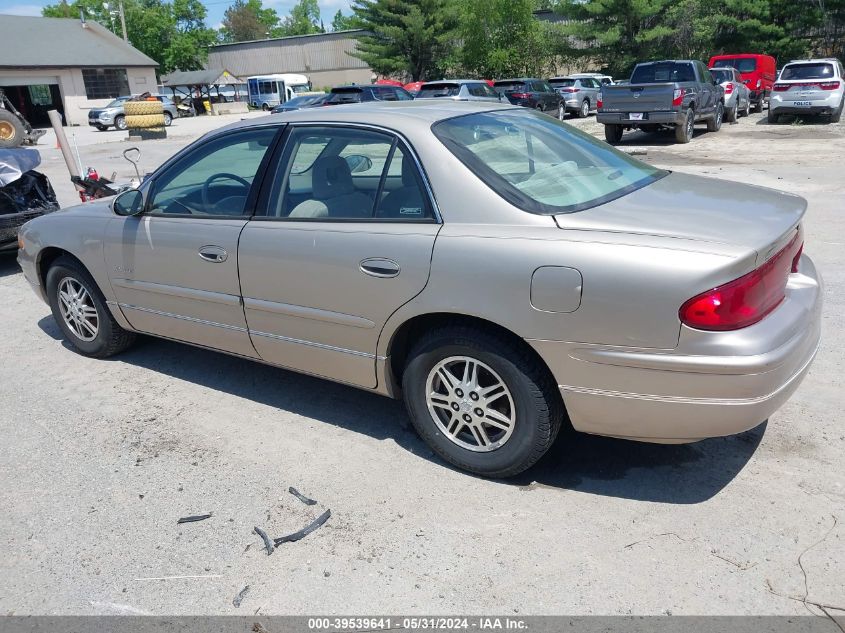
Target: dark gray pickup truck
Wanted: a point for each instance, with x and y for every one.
(670, 93)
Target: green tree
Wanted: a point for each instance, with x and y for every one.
(304, 19)
(407, 38)
(248, 20)
(341, 22)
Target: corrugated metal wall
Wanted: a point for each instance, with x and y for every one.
(304, 54)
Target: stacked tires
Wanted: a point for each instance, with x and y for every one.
(145, 119)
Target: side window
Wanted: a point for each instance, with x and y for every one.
(475, 90)
(402, 193)
(402, 95)
(215, 179)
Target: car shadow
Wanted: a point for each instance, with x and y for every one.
(9, 264)
(797, 119)
(661, 138)
(677, 474)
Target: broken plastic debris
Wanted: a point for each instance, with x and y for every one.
(290, 538)
(192, 519)
(236, 602)
(301, 497)
(268, 544)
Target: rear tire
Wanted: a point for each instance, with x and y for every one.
(837, 116)
(714, 124)
(561, 112)
(11, 130)
(613, 133)
(684, 131)
(772, 117)
(103, 336)
(758, 106)
(731, 114)
(528, 397)
(584, 110)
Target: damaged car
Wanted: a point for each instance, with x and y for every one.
(24, 194)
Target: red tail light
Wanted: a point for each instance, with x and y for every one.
(678, 96)
(824, 85)
(598, 102)
(829, 85)
(520, 95)
(570, 90)
(747, 300)
(780, 87)
(729, 88)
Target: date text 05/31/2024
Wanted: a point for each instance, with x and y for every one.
(417, 623)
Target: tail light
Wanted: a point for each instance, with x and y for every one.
(747, 300)
(570, 90)
(520, 95)
(729, 88)
(598, 102)
(829, 85)
(780, 87)
(678, 96)
(824, 85)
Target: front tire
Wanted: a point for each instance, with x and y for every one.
(80, 311)
(120, 122)
(481, 401)
(168, 119)
(613, 133)
(758, 106)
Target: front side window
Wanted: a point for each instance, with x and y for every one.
(105, 83)
(807, 71)
(542, 165)
(215, 179)
(356, 175)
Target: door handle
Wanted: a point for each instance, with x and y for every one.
(379, 267)
(213, 254)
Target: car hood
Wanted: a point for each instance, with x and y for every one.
(697, 208)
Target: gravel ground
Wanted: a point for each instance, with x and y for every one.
(99, 459)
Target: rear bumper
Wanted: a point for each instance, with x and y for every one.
(650, 118)
(786, 105)
(712, 384)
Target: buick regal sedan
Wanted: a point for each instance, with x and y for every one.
(500, 271)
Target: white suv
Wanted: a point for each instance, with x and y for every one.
(812, 86)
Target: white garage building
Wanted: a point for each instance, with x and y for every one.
(67, 65)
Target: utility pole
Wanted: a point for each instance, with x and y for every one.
(122, 20)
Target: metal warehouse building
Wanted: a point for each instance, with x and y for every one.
(67, 65)
(324, 57)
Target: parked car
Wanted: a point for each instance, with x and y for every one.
(297, 103)
(604, 80)
(668, 93)
(357, 94)
(758, 73)
(500, 271)
(414, 87)
(113, 115)
(813, 86)
(24, 194)
(531, 93)
(579, 94)
(458, 90)
(737, 94)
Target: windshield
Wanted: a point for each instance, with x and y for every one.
(301, 88)
(117, 102)
(722, 75)
(540, 164)
(807, 71)
(743, 65)
(663, 72)
(438, 90)
(344, 95)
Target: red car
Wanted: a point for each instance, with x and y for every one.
(758, 72)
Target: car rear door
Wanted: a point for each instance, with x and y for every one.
(332, 259)
(174, 269)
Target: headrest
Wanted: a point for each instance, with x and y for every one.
(331, 178)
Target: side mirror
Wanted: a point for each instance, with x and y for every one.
(128, 203)
(358, 163)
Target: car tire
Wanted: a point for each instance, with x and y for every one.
(265, 107)
(102, 336)
(613, 133)
(561, 112)
(120, 122)
(168, 119)
(584, 110)
(684, 132)
(758, 105)
(837, 116)
(11, 130)
(772, 117)
(731, 114)
(526, 394)
(714, 123)
(747, 111)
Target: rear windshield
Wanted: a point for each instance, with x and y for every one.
(562, 83)
(510, 86)
(722, 75)
(540, 164)
(807, 71)
(742, 64)
(438, 90)
(663, 72)
(344, 95)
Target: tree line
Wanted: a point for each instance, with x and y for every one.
(424, 39)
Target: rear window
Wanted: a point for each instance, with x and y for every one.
(511, 86)
(562, 83)
(540, 164)
(807, 71)
(663, 72)
(743, 65)
(722, 75)
(344, 95)
(439, 90)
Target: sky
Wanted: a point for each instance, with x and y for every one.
(215, 8)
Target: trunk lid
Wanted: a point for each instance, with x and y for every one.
(701, 209)
(637, 98)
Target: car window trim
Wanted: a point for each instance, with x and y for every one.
(407, 149)
(250, 205)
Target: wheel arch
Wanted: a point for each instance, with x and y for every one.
(45, 259)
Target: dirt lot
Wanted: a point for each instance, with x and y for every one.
(99, 458)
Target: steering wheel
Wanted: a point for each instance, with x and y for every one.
(220, 176)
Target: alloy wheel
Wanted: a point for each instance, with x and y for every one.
(7, 131)
(77, 309)
(561, 112)
(585, 109)
(470, 403)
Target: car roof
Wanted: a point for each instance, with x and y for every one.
(394, 115)
(454, 81)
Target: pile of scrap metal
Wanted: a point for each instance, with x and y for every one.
(15, 130)
(24, 193)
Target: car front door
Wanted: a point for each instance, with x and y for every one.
(346, 240)
(174, 268)
(710, 91)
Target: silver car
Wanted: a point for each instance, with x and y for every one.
(813, 86)
(113, 114)
(458, 90)
(504, 273)
(737, 94)
(580, 94)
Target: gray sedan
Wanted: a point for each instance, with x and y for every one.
(458, 90)
(502, 272)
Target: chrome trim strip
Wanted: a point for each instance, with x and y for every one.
(695, 401)
(178, 291)
(331, 348)
(304, 312)
(182, 317)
